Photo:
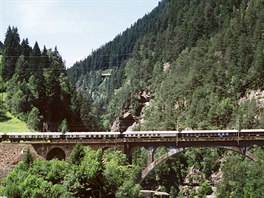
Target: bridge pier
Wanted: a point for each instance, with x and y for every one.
(150, 151)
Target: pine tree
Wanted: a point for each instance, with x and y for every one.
(34, 119)
(34, 62)
(28, 158)
(63, 126)
(77, 154)
(11, 53)
(26, 49)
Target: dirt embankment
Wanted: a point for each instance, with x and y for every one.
(11, 154)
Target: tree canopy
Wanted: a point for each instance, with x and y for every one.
(96, 174)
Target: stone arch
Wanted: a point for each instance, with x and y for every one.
(56, 152)
(173, 151)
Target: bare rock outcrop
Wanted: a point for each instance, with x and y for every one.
(129, 121)
(123, 122)
(258, 95)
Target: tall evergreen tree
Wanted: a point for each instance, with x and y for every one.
(34, 62)
(11, 53)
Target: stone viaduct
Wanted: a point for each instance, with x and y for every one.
(63, 148)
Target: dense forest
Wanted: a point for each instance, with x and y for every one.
(196, 64)
(187, 64)
(38, 89)
(88, 173)
(198, 61)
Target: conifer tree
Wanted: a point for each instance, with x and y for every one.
(77, 154)
(11, 52)
(28, 158)
(34, 62)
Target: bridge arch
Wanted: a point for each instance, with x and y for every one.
(174, 151)
(56, 152)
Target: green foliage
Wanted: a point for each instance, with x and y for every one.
(37, 79)
(77, 154)
(28, 158)
(9, 123)
(11, 52)
(63, 126)
(3, 109)
(205, 189)
(34, 119)
(129, 190)
(241, 178)
(96, 175)
(215, 55)
(204, 159)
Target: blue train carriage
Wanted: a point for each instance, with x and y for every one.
(150, 134)
(91, 135)
(207, 134)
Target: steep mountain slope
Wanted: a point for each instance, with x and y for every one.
(195, 60)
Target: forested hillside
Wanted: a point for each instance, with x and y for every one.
(198, 65)
(187, 64)
(196, 60)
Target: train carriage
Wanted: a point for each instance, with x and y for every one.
(91, 135)
(208, 134)
(251, 132)
(186, 135)
(150, 134)
(31, 136)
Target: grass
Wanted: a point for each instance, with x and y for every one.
(9, 123)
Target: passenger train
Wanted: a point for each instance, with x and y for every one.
(180, 135)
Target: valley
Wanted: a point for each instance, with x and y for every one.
(186, 65)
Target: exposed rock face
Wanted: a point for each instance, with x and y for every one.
(129, 122)
(143, 97)
(122, 123)
(194, 179)
(166, 67)
(258, 95)
(132, 127)
(115, 126)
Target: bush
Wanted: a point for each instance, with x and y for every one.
(63, 126)
(205, 189)
(34, 119)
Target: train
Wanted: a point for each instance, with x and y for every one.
(184, 135)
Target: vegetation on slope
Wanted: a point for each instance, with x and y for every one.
(88, 174)
(212, 65)
(38, 89)
(214, 57)
(9, 123)
(213, 53)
